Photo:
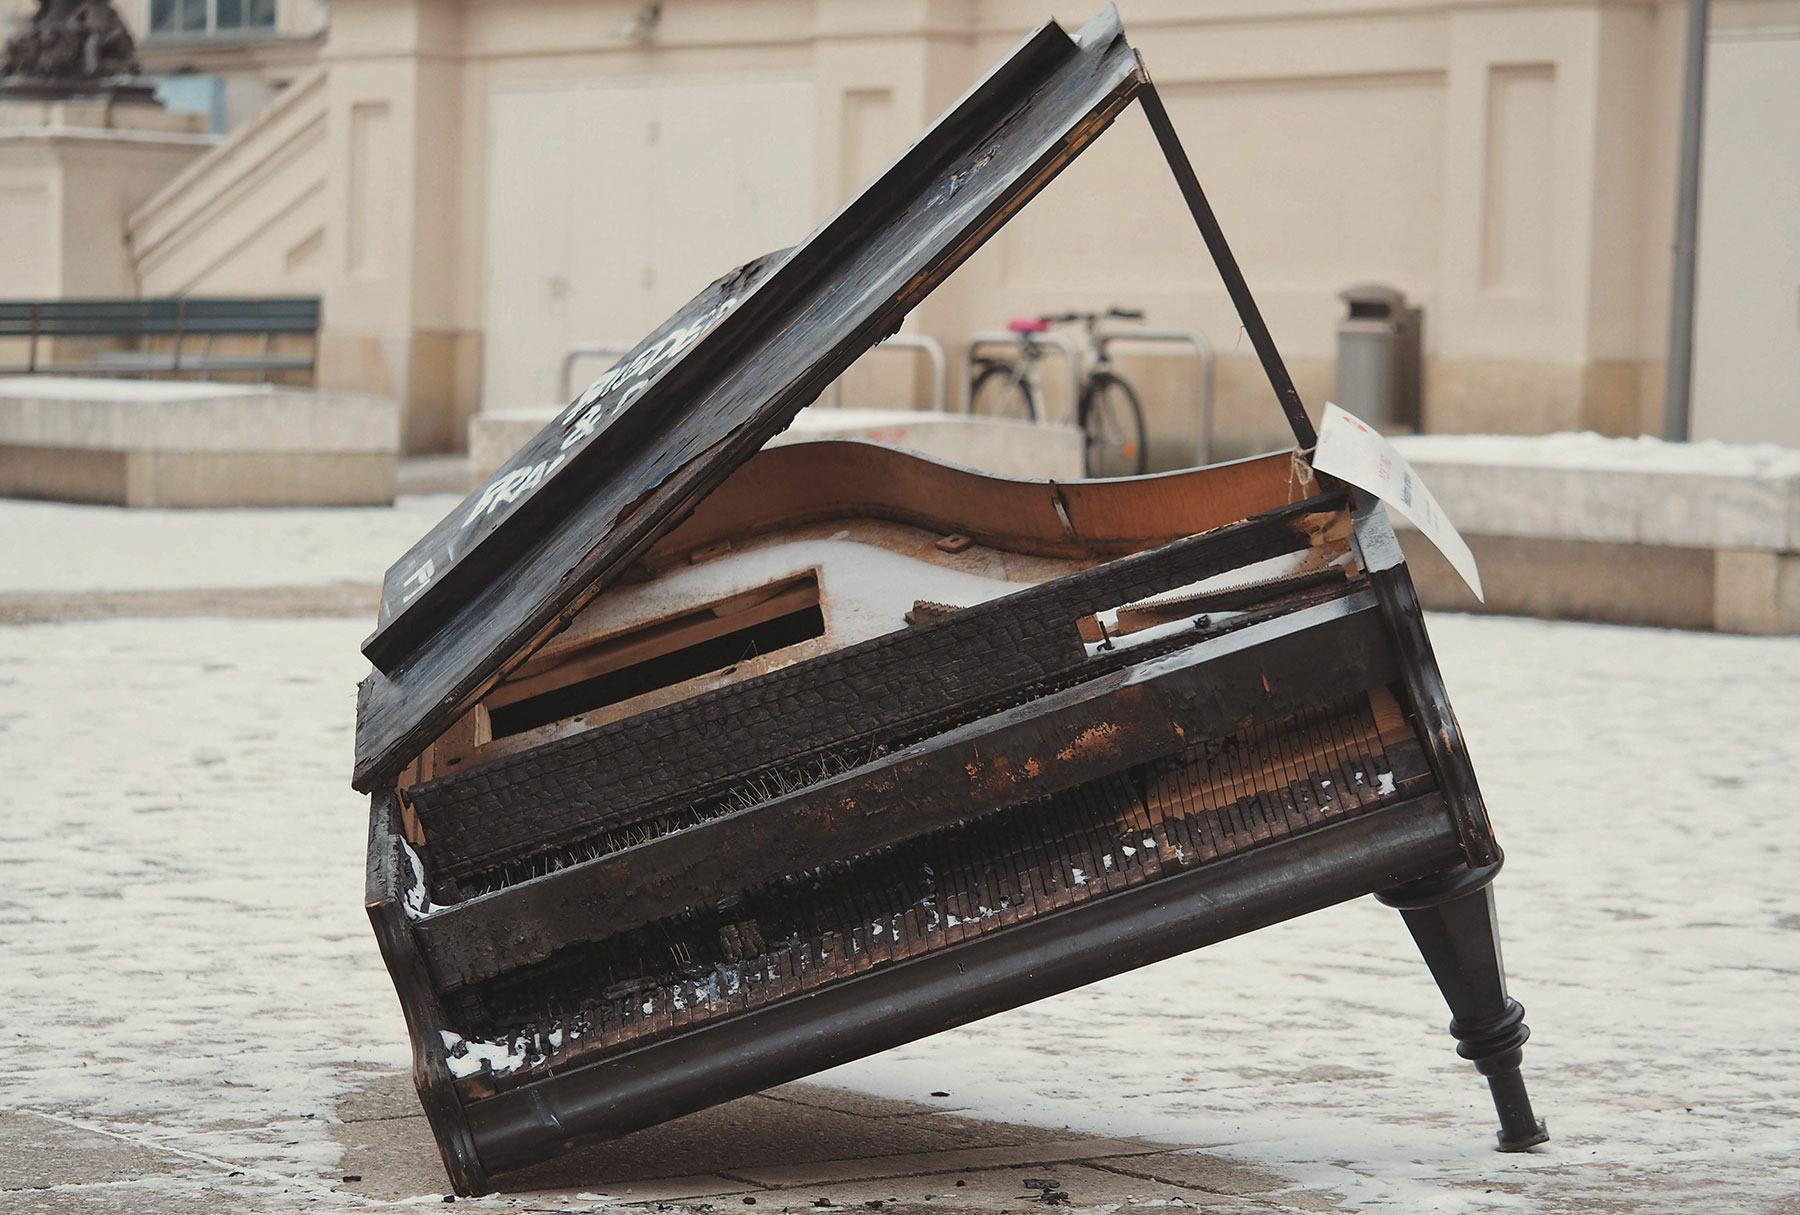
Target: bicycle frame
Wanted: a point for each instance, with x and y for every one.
(1203, 354)
(1063, 345)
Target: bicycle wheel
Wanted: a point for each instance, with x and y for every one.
(1000, 390)
(1114, 425)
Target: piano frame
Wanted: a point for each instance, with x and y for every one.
(539, 556)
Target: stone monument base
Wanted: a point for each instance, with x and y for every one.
(129, 90)
(74, 169)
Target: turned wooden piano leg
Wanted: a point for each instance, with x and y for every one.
(1451, 916)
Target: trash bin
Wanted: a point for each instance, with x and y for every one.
(1378, 357)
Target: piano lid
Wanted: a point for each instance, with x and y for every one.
(634, 453)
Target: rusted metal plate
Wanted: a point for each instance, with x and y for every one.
(624, 463)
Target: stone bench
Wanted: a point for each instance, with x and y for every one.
(1632, 531)
(182, 443)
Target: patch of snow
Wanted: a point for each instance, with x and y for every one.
(417, 901)
(468, 1055)
(1641, 782)
(54, 546)
(188, 960)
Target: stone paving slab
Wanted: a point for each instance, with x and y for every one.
(993, 1134)
(1194, 1171)
(51, 1164)
(806, 1147)
(39, 1153)
(740, 1139)
(232, 603)
(919, 1164)
(191, 985)
(1019, 1188)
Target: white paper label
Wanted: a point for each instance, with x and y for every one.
(1350, 448)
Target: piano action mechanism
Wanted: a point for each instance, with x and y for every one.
(696, 768)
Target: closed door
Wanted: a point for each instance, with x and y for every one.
(1747, 300)
(610, 204)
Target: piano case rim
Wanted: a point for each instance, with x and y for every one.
(1409, 844)
(955, 985)
(522, 1124)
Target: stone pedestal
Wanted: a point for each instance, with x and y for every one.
(71, 171)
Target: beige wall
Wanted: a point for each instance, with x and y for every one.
(70, 174)
(249, 220)
(1510, 166)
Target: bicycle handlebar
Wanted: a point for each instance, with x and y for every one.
(1114, 313)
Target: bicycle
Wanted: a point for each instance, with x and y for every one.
(1108, 411)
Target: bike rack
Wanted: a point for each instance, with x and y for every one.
(594, 350)
(925, 344)
(1061, 342)
(1203, 352)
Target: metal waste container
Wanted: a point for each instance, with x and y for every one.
(1378, 361)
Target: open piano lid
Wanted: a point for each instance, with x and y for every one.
(622, 465)
(629, 458)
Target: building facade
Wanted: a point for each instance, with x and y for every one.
(477, 186)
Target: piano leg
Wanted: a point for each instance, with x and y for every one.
(1451, 917)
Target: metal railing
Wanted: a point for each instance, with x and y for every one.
(592, 350)
(933, 350)
(921, 343)
(1203, 353)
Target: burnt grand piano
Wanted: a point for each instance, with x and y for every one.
(697, 767)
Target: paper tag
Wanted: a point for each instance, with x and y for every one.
(1350, 448)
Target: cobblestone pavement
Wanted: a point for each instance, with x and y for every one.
(193, 1016)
